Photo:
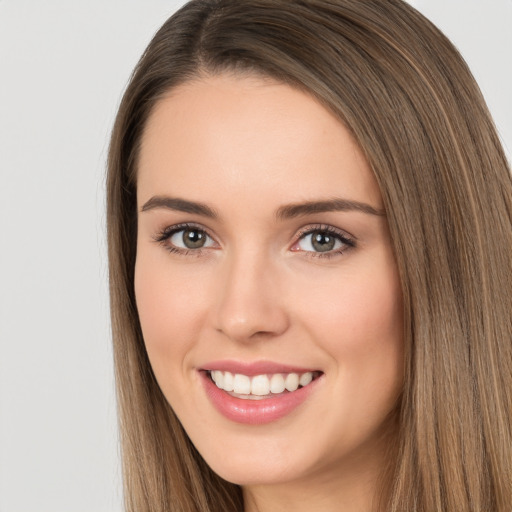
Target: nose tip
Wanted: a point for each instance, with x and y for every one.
(247, 328)
(250, 306)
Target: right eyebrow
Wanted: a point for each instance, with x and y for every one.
(180, 205)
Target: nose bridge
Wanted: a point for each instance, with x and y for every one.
(249, 302)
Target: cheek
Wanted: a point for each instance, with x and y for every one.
(358, 321)
(361, 310)
(170, 310)
(371, 315)
(361, 328)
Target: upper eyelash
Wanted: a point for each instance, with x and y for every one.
(167, 232)
(325, 228)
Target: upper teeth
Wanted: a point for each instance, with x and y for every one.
(260, 385)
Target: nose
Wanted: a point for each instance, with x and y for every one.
(250, 300)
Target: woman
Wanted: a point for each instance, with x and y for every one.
(310, 224)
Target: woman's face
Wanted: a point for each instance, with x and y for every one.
(264, 262)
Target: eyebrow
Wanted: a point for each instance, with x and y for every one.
(331, 205)
(180, 205)
(284, 212)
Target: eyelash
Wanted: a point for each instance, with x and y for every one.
(348, 241)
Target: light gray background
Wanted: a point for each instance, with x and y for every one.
(63, 66)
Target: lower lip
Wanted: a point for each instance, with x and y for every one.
(255, 412)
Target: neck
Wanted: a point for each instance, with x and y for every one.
(329, 497)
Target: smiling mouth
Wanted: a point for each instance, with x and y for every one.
(263, 386)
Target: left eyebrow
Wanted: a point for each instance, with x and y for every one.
(330, 205)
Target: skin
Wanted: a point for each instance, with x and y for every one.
(246, 146)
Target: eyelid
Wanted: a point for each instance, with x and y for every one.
(311, 228)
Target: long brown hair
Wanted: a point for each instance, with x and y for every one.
(411, 103)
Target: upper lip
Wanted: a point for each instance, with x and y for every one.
(254, 368)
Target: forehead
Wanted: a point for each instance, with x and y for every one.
(220, 136)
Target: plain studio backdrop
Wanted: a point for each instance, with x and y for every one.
(63, 67)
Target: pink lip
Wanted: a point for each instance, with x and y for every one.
(254, 368)
(256, 412)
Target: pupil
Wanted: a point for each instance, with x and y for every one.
(193, 239)
(322, 242)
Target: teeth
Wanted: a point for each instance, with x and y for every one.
(304, 380)
(260, 385)
(292, 382)
(277, 383)
(228, 381)
(218, 378)
(242, 384)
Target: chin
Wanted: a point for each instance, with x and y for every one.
(259, 459)
(252, 473)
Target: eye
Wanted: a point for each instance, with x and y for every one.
(324, 241)
(190, 238)
(185, 238)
